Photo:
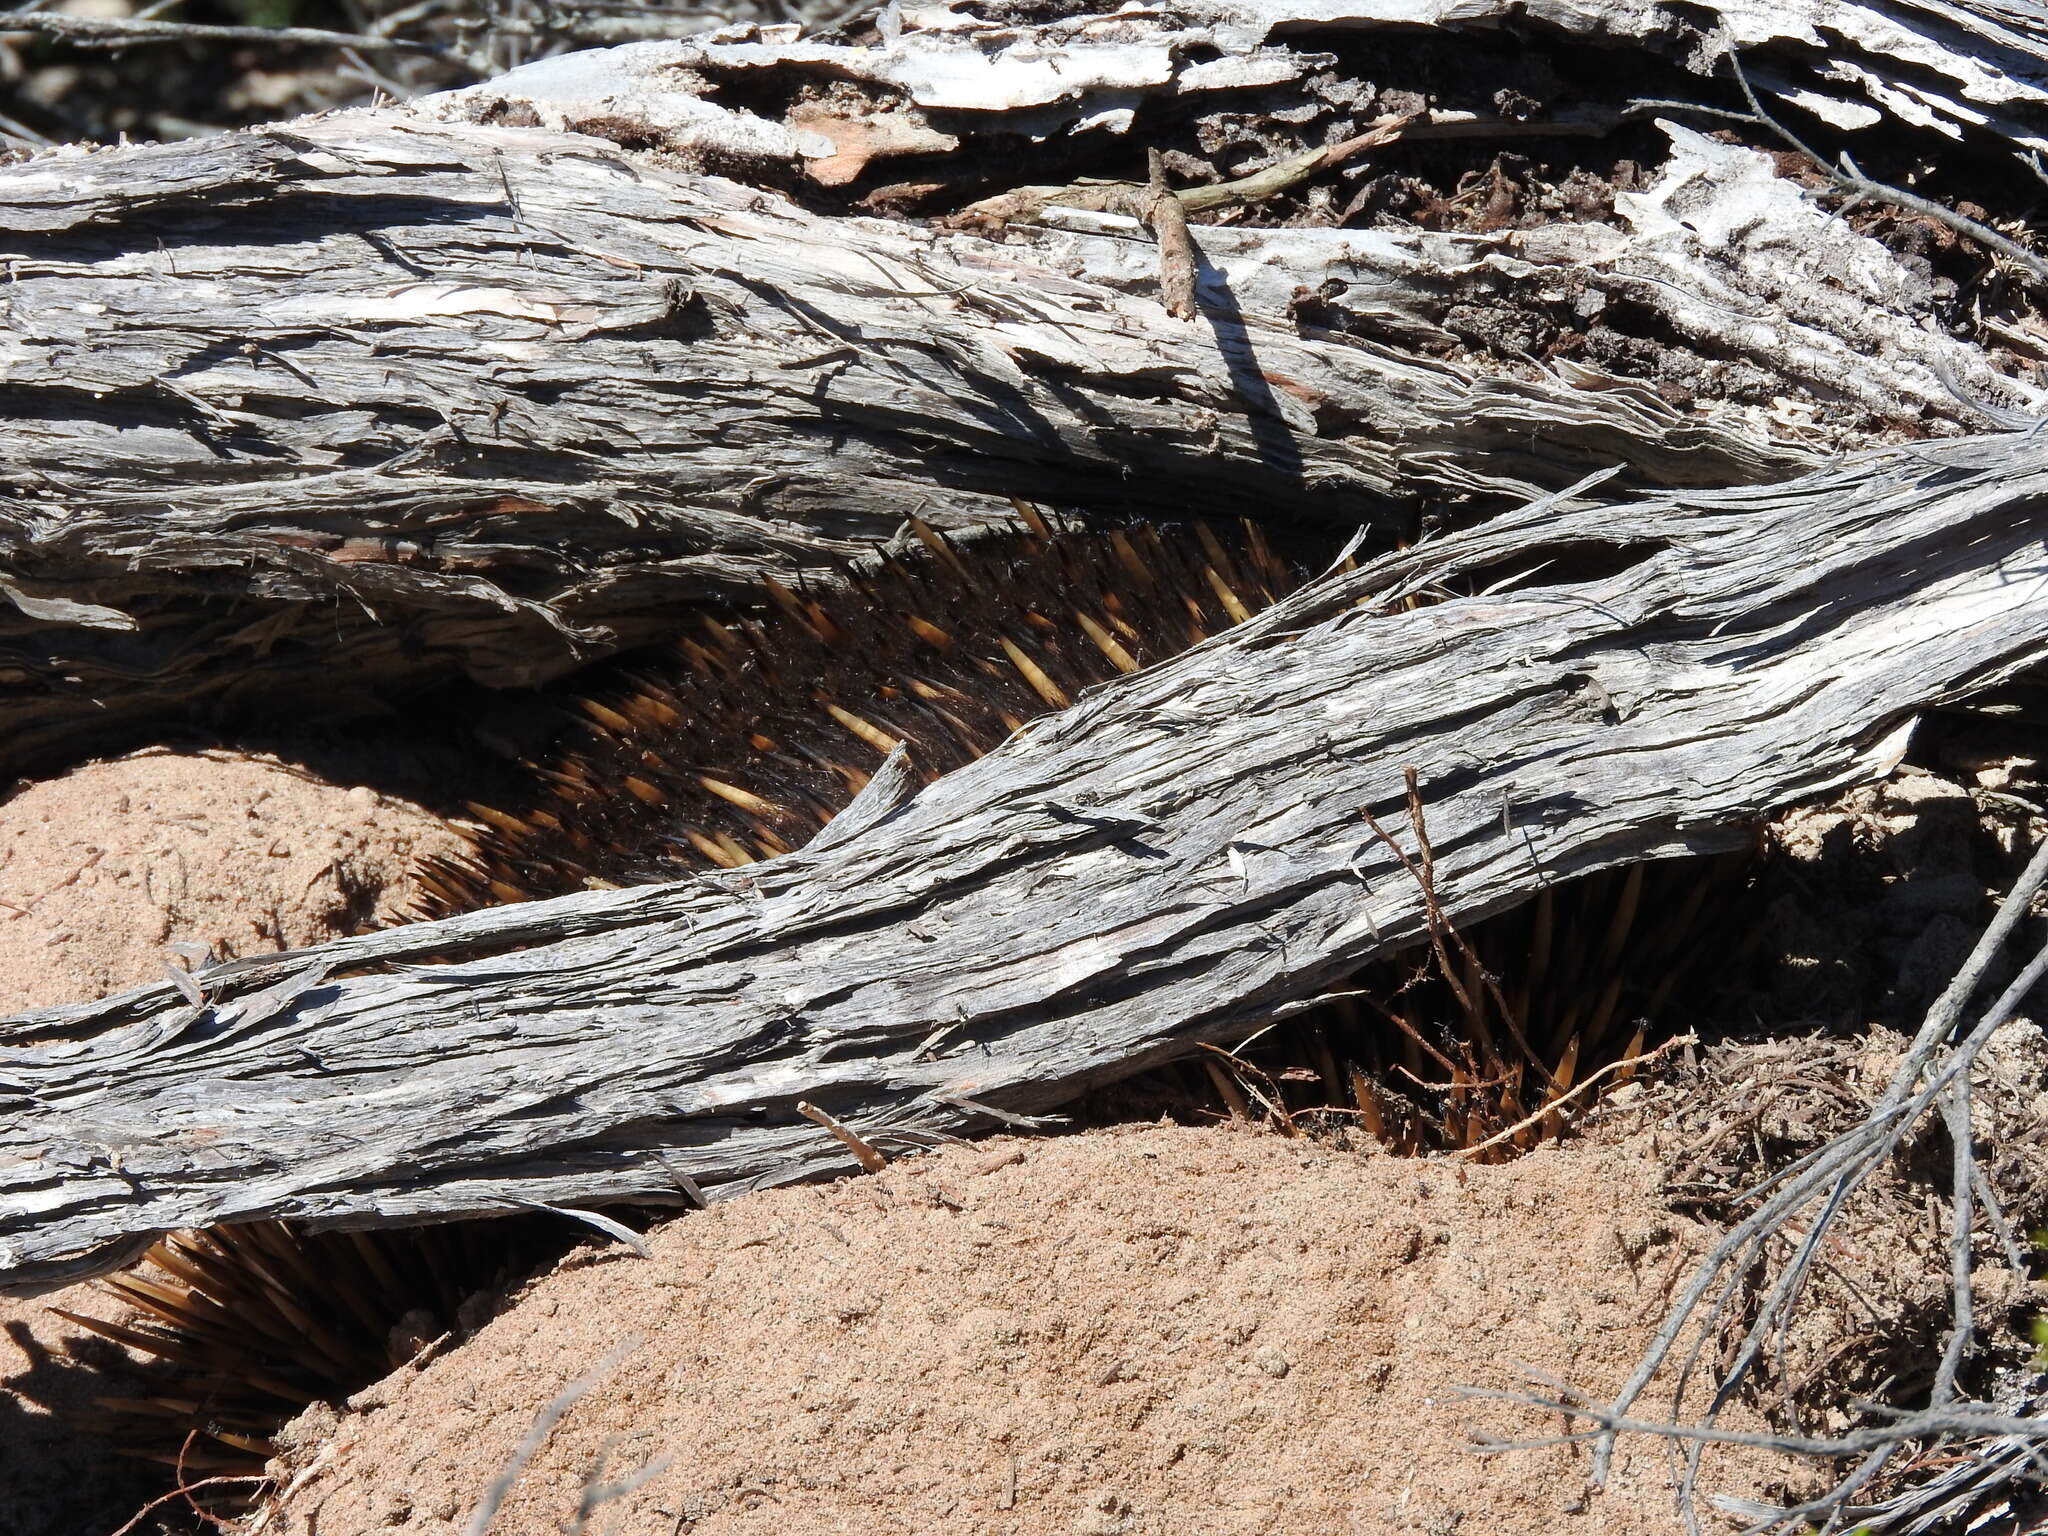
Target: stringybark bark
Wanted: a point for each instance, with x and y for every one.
(1174, 858)
(485, 386)
(385, 397)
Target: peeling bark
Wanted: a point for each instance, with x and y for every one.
(386, 397)
(487, 385)
(1176, 858)
(512, 432)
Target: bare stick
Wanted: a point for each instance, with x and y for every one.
(1167, 217)
(1931, 1076)
(864, 1154)
(109, 31)
(1850, 178)
(1960, 1419)
(1028, 204)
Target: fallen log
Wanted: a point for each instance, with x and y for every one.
(1179, 857)
(392, 455)
(484, 385)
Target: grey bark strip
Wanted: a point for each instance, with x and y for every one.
(384, 397)
(1176, 858)
(393, 397)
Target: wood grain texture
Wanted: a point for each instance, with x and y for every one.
(382, 398)
(385, 397)
(500, 398)
(1176, 858)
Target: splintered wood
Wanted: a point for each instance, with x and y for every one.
(382, 398)
(1175, 859)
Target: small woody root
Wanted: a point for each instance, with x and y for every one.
(1486, 1046)
(1028, 205)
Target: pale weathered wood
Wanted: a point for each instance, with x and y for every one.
(385, 397)
(1177, 857)
(440, 426)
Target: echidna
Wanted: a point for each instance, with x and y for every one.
(252, 1323)
(743, 740)
(739, 741)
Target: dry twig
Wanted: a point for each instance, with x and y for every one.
(1167, 217)
(1028, 204)
(1934, 1077)
(1848, 177)
(103, 31)
(866, 1155)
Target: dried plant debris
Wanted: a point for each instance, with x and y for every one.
(1877, 1291)
(1875, 1317)
(1536, 210)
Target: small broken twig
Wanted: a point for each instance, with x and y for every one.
(107, 31)
(1167, 217)
(1849, 178)
(864, 1154)
(1027, 205)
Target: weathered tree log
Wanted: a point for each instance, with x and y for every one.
(1175, 859)
(389, 396)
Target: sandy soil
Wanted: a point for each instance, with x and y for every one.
(1143, 1330)
(103, 869)
(100, 872)
(56, 1477)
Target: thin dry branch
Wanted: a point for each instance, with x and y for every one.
(1168, 220)
(114, 31)
(1848, 178)
(1931, 1078)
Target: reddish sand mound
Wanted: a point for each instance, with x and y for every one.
(100, 872)
(102, 869)
(1156, 1330)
